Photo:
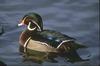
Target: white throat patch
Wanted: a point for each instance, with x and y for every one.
(39, 28)
(31, 29)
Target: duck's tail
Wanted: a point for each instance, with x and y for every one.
(69, 51)
(73, 56)
(77, 45)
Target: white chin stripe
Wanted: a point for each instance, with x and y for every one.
(31, 29)
(37, 25)
(63, 42)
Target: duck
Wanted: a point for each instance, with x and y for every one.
(37, 41)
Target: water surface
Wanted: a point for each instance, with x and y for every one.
(76, 18)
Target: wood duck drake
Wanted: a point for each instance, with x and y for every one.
(37, 41)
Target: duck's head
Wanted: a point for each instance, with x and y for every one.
(33, 22)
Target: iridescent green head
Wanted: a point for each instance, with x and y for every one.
(33, 22)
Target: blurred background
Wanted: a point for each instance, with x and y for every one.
(76, 18)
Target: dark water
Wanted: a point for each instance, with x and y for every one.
(76, 18)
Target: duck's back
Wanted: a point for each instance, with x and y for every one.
(53, 38)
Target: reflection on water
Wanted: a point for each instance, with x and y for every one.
(76, 18)
(40, 57)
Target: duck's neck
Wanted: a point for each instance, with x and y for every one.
(25, 35)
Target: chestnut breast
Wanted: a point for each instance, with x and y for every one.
(24, 36)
